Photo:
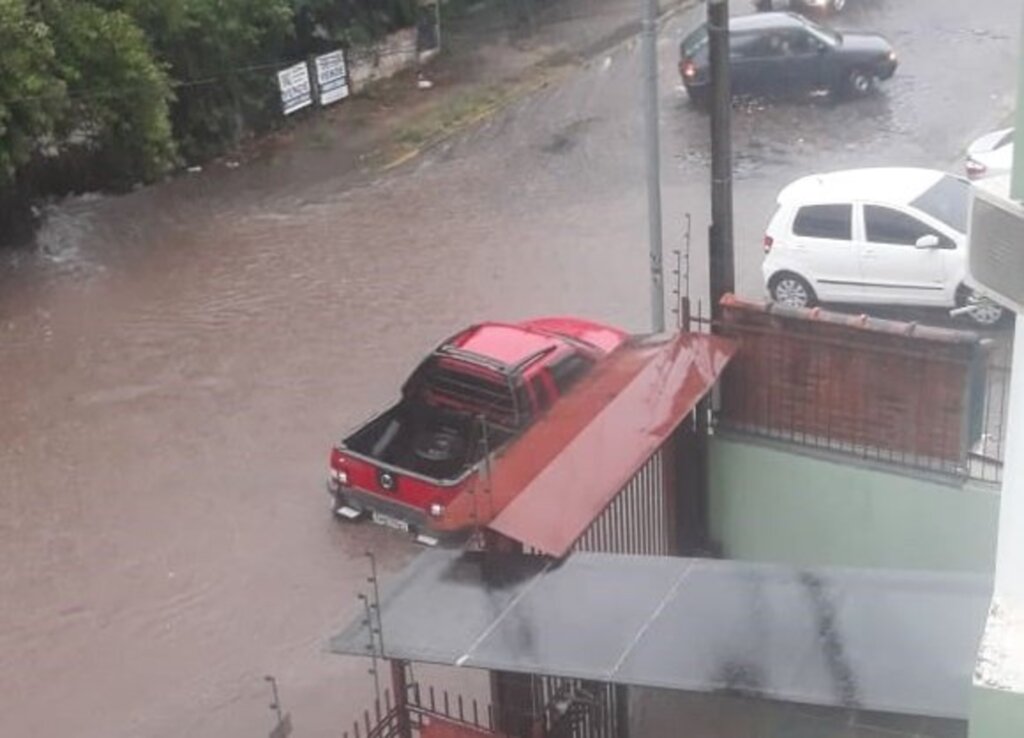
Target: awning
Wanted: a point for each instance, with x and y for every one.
(557, 479)
(869, 639)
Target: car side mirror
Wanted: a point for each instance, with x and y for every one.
(931, 241)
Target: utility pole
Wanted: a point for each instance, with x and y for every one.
(649, 33)
(720, 256)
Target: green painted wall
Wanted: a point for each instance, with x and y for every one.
(769, 503)
(996, 713)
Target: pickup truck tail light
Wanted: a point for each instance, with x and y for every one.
(338, 472)
(768, 243)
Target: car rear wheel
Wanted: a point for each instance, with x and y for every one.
(791, 291)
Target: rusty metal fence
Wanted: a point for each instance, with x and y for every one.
(390, 719)
(825, 383)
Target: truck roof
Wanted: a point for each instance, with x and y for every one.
(506, 344)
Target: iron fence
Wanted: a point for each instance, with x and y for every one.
(391, 719)
(638, 519)
(986, 455)
(549, 706)
(932, 411)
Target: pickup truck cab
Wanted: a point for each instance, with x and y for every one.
(466, 402)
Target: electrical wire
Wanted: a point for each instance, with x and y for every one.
(127, 91)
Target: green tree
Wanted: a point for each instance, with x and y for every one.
(120, 94)
(323, 23)
(222, 54)
(32, 97)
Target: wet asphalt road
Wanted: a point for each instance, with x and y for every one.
(176, 362)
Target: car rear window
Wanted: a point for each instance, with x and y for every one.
(824, 221)
(568, 370)
(696, 41)
(464, 388)
(946, 200)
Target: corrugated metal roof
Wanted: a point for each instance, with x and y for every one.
(881, 640)
(554, 481)
(606, 450)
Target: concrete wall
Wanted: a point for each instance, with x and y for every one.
(657, 713)
(385, 59)
(772, 502)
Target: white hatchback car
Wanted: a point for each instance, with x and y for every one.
(893, 236)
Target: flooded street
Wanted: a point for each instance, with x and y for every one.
(177, 362)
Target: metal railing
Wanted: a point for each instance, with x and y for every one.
(777, 388)
(388, 719)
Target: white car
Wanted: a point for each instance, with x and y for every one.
(892, 236)
(991, 155)
(834, 6)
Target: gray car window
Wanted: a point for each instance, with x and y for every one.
(824, 221)
(885, 225)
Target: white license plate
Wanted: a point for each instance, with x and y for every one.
(390, 522)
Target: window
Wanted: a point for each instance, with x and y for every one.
(824, 221)
(946, 200)
(885, 225)
(746, 46)
(827, 35)
(695, 42)
(540, 393)
(802, 42)
(567, 371)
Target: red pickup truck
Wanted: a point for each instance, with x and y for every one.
(472, 396)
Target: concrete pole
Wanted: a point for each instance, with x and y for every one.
(720, 256)
(649, 34)
(1010, 551)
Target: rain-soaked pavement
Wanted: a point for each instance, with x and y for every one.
(176, 362)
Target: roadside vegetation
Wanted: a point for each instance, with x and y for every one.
(109, 93)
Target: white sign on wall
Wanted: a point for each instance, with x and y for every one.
(332, 77)
(296, 90)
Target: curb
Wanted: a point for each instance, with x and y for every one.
(610, 43)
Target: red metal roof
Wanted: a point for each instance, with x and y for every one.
(555, 480)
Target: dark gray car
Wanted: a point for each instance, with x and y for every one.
(782, 53)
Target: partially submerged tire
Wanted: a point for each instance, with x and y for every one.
(985, 312)
(859, 83)
(791, 290)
